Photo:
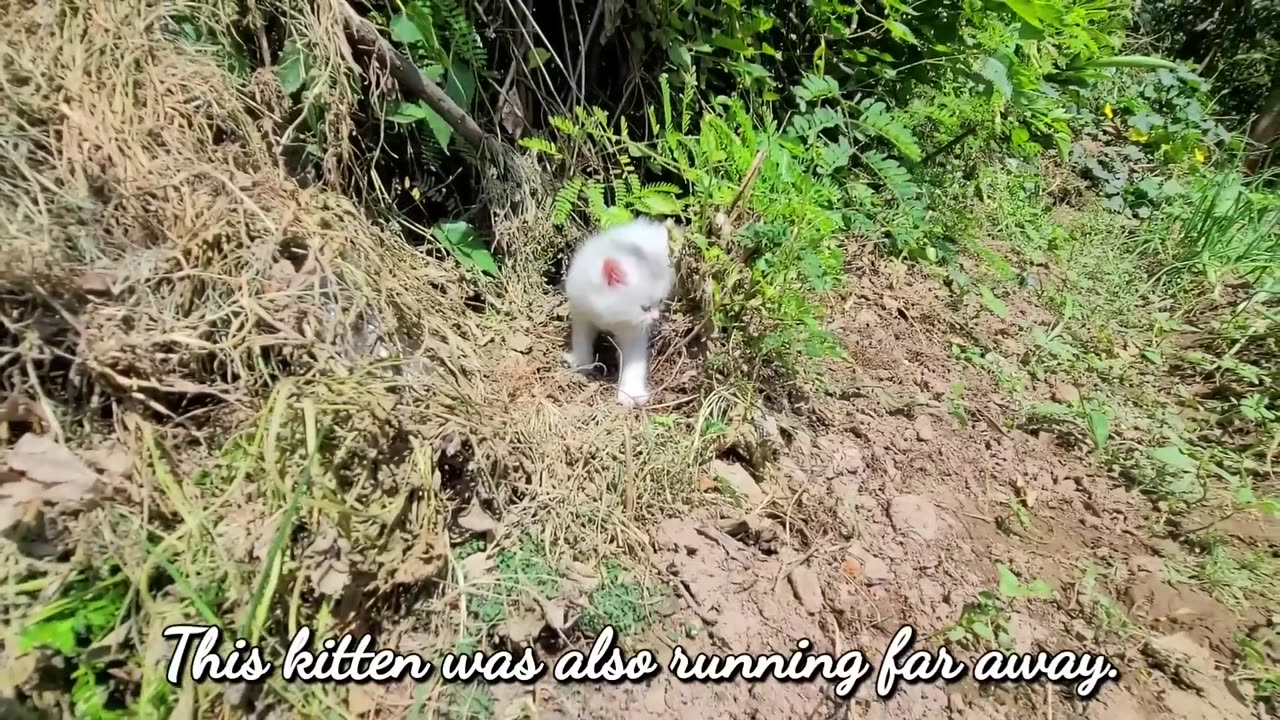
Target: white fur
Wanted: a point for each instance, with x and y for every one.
(640, 248)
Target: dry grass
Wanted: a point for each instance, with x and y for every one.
(313, 422)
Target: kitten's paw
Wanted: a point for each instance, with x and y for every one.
(632, 400)
(574, 362)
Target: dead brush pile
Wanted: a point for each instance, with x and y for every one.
(232, 401)
(198, 427)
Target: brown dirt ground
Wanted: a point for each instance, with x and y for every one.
(887, 511)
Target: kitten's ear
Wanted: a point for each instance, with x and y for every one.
(612, 272)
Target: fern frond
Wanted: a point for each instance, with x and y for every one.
(594, 193)
(565, 126)
(463, 38)
(662, 187)
(895, 177)
(809, 125)
(815, 87)
(563, 202)
(687, 101)
(539, 145)
(876, 118)
(664, 89)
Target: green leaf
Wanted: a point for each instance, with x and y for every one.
(900, 31)
(1173, 457)
(993, 303)
(1244, 495)
(680, 57)
(407, 112)
(1034, 13)
(1133, 61)
(998, 74)
(461, 87)
(421, 19)
(58, 635)
(460, 239)
(957, 634)
(1009, 586)
(731, 44)
(483, 259)
(656, 203)
(1040, 589)
(536, 57)
(292, 70)
(1099, 428)
(405, 31)
(984, 631)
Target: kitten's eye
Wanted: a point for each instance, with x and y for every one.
(646, 308)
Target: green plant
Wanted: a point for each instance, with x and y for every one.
(764, 277)
(987, 617)
(459, 238)
(85, 613)
(1109, 616)
(444, 44)
(620, 602)
(1256, 664)
(1232, 228)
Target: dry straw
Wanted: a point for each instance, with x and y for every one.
(307, 404)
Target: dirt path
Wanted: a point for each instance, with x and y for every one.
(901, 495)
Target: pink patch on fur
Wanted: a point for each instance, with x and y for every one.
(613, 274)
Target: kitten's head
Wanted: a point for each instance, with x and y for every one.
(641, 272)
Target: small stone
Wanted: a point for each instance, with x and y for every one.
(1146, 564)
(520, 342)
(913, 514)
(924, 429)
(1065, 393)
(871, 569)
(740, 480)
(804, 583)
(769, 431)
(844, 456)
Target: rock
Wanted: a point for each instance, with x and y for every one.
(913, 514)
(739, 479)
(804, 583)
(871, 569)
(520, 342)
(1065, 393)
(924, 429)
(769, 431)
(876, 571)
(844, 457)
(1146, 564)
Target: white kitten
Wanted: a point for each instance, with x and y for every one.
(616, 283)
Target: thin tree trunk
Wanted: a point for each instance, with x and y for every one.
(1265, 129)
(413, 83)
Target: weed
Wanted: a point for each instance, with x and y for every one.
(987, 617)
(1108, 615)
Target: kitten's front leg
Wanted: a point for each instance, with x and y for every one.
(580, 356)
(633, 368)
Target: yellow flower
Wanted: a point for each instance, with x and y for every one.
(1137, 135)
(1199, 155)
(1106, 110)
